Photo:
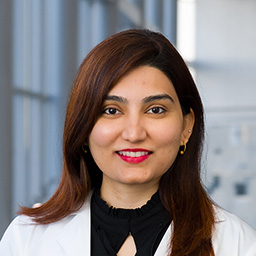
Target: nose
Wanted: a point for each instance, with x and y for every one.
(134, 129)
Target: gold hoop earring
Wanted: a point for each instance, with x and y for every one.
(85, 148)
(184, 149)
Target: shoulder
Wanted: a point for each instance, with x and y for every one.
(233, 234)
(24, 234)
(232, 222)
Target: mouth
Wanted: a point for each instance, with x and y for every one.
(134, 155)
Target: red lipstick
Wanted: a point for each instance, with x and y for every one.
(134, 156)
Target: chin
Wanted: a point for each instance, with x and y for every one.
(133, 180)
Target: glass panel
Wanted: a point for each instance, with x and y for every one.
(35, 135)
(84, 29)
(169, 19)
(125, 22)
(37, 154)
(98, 24)
(27, 44)
(135, 2)
(20, 152)
(52, 154)
(36, 132)
(36, 46)
(17, 44)
(130, 15)
(151, 13)
(52, 45)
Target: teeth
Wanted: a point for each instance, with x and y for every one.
(133, 154)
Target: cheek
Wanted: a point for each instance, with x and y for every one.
(168, 147)
(168, 135)
(102, 135)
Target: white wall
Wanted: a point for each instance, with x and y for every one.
(226, 52)
(226, 76)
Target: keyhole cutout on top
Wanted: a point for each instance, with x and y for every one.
(128, 248)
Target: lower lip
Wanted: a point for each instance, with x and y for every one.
(134, 160)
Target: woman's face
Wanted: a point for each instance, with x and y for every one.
(137, 137)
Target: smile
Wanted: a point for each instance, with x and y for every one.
(134, 156)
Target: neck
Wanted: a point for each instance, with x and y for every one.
(127, 196)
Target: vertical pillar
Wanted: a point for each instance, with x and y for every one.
(68, 44)
(5, 114)
(84, 29)
(170, 20)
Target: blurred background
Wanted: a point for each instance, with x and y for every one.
(42, 43)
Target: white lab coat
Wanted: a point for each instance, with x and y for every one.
(71, 236)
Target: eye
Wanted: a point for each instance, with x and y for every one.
(111, 111)
(156, 110)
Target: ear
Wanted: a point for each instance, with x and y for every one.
(188, 124)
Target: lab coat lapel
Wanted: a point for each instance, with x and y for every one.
(164, 246)
(74, 238)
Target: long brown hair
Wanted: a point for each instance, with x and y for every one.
(180, 188)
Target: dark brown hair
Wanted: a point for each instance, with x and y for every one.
(181, 190)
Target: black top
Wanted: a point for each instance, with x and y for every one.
(111, 226)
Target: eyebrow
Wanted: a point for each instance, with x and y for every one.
(116, 98)
(145, 100)
(158, 97)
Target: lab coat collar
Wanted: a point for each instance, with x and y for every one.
(79, 228)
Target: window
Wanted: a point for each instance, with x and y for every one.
(43, 41)
(99, 19)
(36, 101)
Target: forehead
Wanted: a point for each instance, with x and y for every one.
(144, 80)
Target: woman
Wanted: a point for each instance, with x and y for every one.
(131, 173)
